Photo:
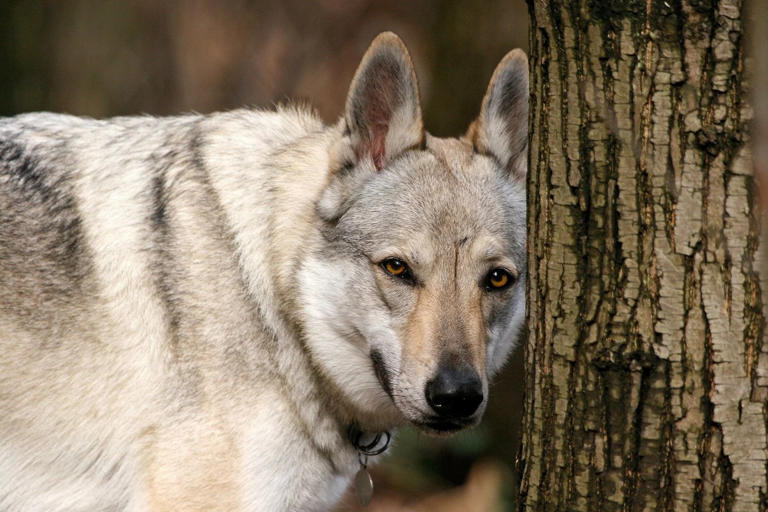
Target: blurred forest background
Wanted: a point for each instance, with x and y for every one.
(105, 58)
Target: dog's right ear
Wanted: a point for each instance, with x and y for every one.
(501, 130)
(383, 113)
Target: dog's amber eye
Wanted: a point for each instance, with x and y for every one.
(395, 267)
(498, 279)
(399, 269)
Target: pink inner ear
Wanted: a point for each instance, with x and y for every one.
(378, 100)
(378, 145)
(375, 146)
(381, 94)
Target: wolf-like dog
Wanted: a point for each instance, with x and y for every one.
(195, 311)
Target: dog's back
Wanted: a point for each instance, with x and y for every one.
(104, 226)
(73, 231)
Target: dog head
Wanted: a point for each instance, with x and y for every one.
(415, 298)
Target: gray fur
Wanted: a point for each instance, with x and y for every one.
(191, 307)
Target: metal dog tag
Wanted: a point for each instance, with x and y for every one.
(363, 486)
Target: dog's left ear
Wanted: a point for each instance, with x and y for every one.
(383, 113)
(501, 130)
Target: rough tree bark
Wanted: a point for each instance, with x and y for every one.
(647, 375)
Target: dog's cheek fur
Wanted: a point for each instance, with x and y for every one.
(344, 322)
(415, 361)
(504, 330)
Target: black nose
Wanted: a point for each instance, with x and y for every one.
(456, 392)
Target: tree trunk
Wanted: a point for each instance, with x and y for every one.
(647, 375)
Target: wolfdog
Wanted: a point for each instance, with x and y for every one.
(196, 311)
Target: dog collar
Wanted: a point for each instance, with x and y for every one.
(367, 444)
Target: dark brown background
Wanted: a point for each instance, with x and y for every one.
(105, 58)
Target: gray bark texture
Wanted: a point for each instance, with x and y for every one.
(647, 374)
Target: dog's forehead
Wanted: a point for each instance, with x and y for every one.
(448, 188)
(446, 193)
(454, 153)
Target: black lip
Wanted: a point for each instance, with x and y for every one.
(444, 425)
(381, 372)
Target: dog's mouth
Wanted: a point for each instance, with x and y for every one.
(434, 424)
